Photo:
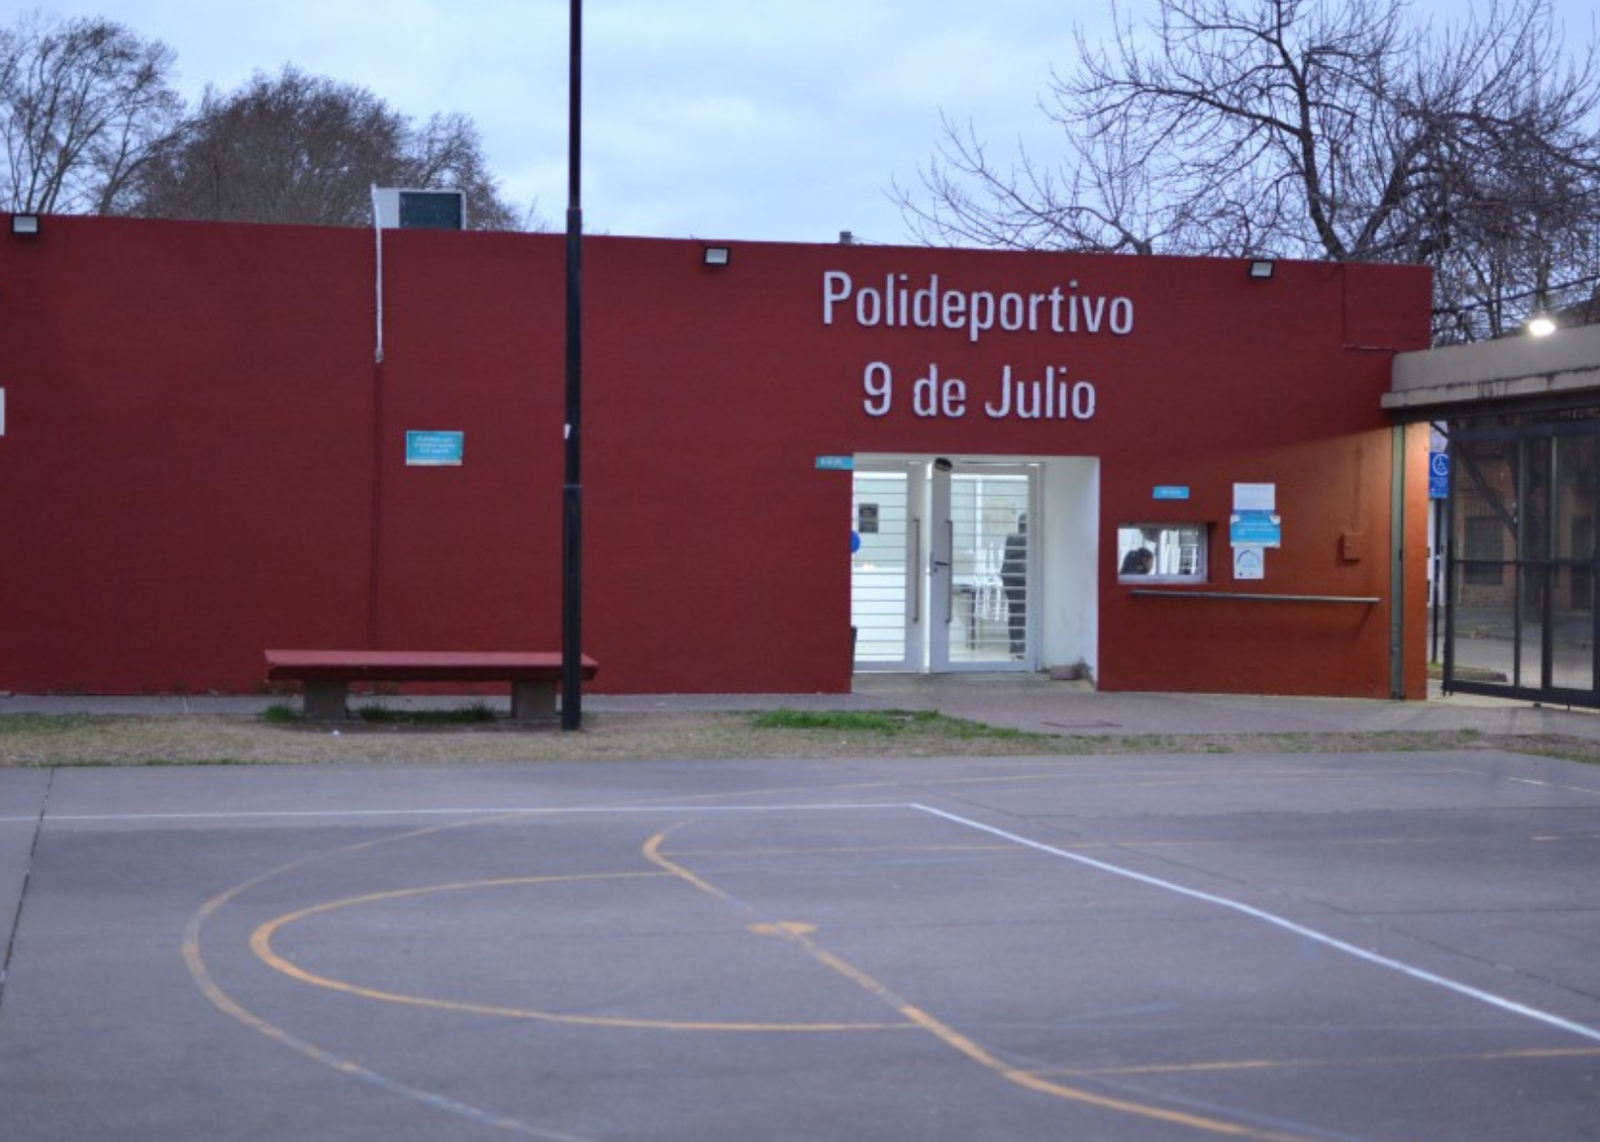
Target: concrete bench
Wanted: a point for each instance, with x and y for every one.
(326, 675)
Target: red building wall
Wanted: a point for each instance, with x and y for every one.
(202, 457)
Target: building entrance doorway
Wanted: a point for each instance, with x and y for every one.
(944, 565)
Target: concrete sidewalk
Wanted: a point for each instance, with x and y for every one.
(1020, 701)
(1033, 702)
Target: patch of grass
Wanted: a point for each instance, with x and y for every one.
(44, 723)
(885, 722)
(854, 721)
(49, 740)
(140, 763)
(474, 714)
(1581, 750)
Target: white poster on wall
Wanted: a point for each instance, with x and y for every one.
(1255, 521)
(1249, 563)
(1255, 497)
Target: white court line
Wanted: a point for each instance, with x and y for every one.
(1419, 974)
(487, 811)
(1281, 922)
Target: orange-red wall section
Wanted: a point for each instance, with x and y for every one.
(203, 458)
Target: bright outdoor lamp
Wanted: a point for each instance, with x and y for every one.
(718, 255)
(24, 223)
(1261, 268)
(1541, 325)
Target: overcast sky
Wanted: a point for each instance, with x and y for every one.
(756, 119)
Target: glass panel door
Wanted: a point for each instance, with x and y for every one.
(942, 566)
(986, 620)
(1571, 587)
(885, 584)
(1483, 545)
(1523, 562)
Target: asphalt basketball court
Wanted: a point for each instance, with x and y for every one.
(1376, 947)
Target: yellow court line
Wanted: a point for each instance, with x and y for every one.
(653, 854)
(261, 943)
(1155, 778)
(1303, 844)
(799, 935)
(1121, 843)
(200, 972)
(1059, 768)
(1511, 780)
(775, 791)
(1224, 1065)
(847, 850)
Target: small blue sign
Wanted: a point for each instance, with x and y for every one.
(435, 449)
(1255, 529)
(1438, 475)
(836, 463)
(1171, 492)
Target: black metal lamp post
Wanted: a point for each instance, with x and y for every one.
(572, 489)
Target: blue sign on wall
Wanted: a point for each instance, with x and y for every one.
(836, 463)
(435, 449)
(1255, 529)
(1438, 475)
(1171, 492)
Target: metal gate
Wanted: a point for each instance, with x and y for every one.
(1521, 565)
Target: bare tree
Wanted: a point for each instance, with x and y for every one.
(1308, 128)
(82, 103)
(447, 151)
(297, 148)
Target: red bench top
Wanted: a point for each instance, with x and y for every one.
(421, 665)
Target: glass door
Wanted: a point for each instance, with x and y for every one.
(1522, 561)
(942, 566)
(982, 532)
(886, 603)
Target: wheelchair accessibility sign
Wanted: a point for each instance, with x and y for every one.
(1438, 475)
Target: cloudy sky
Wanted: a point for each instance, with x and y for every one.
(757, 119)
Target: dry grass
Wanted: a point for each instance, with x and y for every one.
(83, 740)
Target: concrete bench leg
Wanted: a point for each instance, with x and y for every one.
(533, 701)
(325, 700)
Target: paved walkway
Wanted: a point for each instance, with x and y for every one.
(1029, 702)
(1036, 703)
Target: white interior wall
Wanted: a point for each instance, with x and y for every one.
(1070, 630)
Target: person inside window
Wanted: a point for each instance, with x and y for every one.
(1139, 561)
(1014, 577)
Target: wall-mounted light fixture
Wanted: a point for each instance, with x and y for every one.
(24, 223)
(1261, 269)
(1541, 325)
(718, 255)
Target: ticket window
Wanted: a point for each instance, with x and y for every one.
(1161, 553)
